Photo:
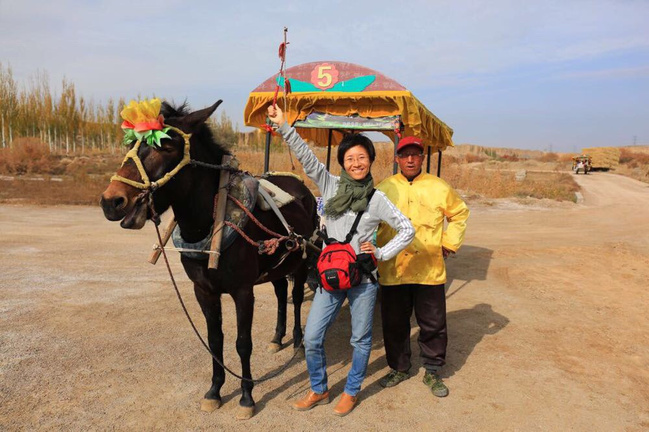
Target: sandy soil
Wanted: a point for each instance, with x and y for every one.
(547, 313)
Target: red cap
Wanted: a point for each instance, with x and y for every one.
(409, 141)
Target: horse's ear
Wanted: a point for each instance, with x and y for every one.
(193, 120)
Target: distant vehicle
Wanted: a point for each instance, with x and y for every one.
(582, 163)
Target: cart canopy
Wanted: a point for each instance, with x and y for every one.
(345, 96)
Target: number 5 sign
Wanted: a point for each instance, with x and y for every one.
(324, 76)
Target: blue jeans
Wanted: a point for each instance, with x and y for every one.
(323, 312)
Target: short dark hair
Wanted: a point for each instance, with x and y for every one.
(353, 140)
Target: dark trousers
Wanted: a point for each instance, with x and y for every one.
(429, 304)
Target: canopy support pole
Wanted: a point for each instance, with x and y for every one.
(428, 160)
(267, 152)
(329, 149)
(394, 163)
(439, 162)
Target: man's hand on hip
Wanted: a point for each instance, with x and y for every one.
(446, 252)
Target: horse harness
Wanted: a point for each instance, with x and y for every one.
(293, 241)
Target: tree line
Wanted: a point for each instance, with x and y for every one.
(71, 124)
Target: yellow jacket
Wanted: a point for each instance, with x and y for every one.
(426, 201)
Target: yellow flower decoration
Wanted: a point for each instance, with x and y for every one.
(142, 121)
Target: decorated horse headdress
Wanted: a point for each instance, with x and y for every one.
(144, 123)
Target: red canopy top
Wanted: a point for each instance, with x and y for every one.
(328, 77)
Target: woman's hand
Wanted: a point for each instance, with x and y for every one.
(368, 247)
(276, 115)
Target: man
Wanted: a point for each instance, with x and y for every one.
(415, 278)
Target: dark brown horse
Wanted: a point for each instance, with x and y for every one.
(191, 194)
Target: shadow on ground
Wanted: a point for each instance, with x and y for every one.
(467, 327)
(471, 263)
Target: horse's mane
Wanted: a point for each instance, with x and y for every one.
(204, 133)
(169, 111)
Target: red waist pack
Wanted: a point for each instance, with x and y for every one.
(338, 266)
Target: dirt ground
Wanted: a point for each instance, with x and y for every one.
(547, 315)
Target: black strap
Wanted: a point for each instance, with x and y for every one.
(352, 231)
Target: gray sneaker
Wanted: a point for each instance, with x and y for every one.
(436, 385)
(393, 378)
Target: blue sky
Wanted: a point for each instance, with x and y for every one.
(525, 74)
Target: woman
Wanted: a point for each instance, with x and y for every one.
(344, 197)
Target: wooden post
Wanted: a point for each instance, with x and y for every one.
(219, 215)
(166, 235)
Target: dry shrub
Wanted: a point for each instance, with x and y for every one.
(548, 157)
(503, 184)
(510, 158)
(633, 159)
(81, 180)
(566, 157)
(26, 156)
(634, 163)
(68, 191)
(84, 178)
(470, 158)
(446, 160)
(488, 183)
(557, 186)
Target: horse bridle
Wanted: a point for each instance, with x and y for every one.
(146, 184)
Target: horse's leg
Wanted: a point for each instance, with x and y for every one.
(213, 316)
(244, 301)
(299, 279)
(281, 292)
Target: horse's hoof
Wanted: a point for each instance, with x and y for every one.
(298, 352)
(244, 413)
(273, 347)
(210, 405)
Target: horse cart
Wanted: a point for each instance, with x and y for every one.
(582, 163)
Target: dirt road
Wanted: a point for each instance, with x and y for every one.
(547, 313)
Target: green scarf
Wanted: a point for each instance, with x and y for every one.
(350, 194)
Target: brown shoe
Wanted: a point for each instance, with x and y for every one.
(345, 405)
(310, 400)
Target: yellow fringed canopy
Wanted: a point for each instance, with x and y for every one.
(345, 89)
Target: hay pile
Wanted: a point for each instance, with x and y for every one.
(603, 157)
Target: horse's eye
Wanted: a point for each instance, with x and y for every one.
(167, 149)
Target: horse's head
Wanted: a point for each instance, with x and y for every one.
(147, 169)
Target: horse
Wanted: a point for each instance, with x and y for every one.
(191, 192)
